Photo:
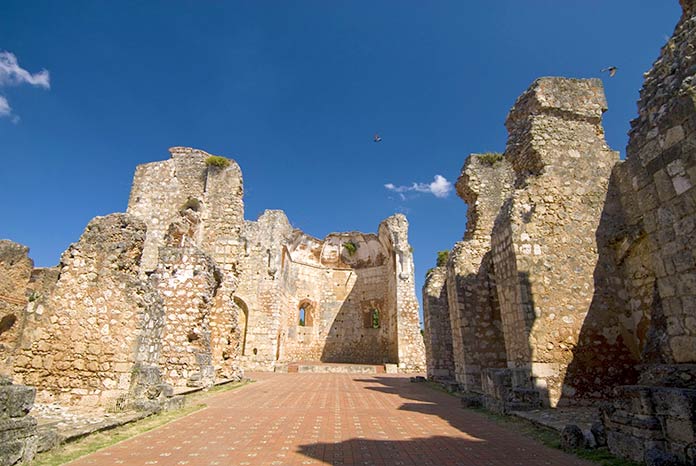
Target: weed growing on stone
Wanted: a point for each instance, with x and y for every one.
(442, 257)
(351, 247)
(217, 161)
(490, 158)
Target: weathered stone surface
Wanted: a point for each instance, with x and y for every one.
(655, 421)
(438, 332)
(18, 439)
(15, 273)
(485, 182)
(99, 320)
(572, 437)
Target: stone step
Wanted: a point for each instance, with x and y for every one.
(335, 368)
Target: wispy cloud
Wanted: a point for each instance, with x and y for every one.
(11, 74)
(440, 187)
(5, 109)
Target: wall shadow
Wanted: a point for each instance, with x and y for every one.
(483, 441)
(614, 331)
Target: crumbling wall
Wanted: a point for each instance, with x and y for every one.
(187, 279)
(485, 182)
(437, 327)
(99, 323)
(261, 291)
(356, 308)
(543, 242)
(393, 233)
(15, 273)
(162, 189)
(654, 250)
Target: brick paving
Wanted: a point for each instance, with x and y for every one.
(337, 419)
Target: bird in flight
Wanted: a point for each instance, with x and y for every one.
(376, 138)
(611, 70)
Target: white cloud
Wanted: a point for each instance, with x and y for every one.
(5, 108)
(11, 74)
(440, 187)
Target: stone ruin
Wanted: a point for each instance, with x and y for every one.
(575, 282)
(181, 291)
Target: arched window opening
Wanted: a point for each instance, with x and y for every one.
(305, 314)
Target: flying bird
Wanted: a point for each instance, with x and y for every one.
(376, 138)
(611, 70)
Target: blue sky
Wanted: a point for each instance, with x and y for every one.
(293, 91)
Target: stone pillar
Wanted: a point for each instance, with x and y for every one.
(485, 182)
(410, 345)
(437, 331)
(544, 245)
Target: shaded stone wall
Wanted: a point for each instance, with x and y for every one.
(653, 243)
(543, 242)
(18, 439)
(437, 327)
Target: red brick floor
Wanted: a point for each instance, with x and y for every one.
(338, 419)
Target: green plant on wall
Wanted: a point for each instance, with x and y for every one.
(217, 161)
(375, 318)
(490, 158)
(351, 247)
(442, 257)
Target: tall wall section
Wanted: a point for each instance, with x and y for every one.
(485, 182)
(655, 252)
(543, 242)
(437, 331)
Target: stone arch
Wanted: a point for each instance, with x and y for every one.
(243, 322)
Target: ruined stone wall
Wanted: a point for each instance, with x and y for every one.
(260, 289)
(437, 327)
(99, 322)
(15, 269)
(162, 189)
(349, 297)
(653, 246)
(340, 290)
(544, 245)
(188, 280)
(393, 233)
(485, 182)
